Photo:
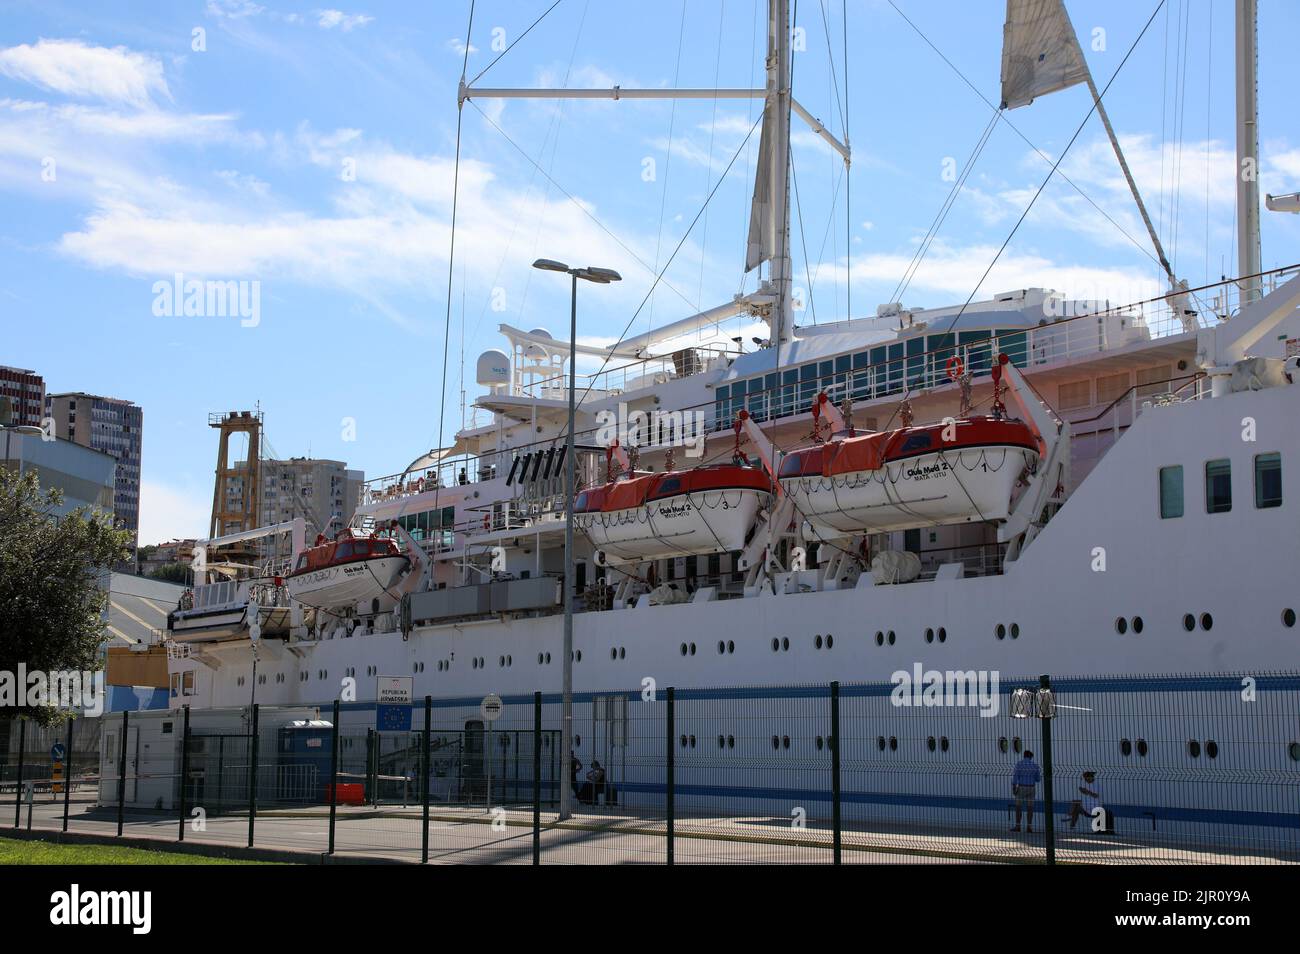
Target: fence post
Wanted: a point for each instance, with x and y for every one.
(835, 768)
(670, 781)
(185, 770)
(121, 772)
(18, 786)
(252, 777)
(67, 773)
(424, 779)
(537, 777)
(334, 774)
(1045, 683)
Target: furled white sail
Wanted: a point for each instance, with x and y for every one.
(1040, 52)
(762, 223)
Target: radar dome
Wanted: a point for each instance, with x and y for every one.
(493, 368)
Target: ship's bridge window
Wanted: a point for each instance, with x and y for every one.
(1268, 480)
(915, 442)
(344, 550)
(1218, 486)
(1171, 492)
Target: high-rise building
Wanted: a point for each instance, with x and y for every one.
(25, 391)
(322, 492)
(115, 427)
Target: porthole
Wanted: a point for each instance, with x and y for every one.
(692, 741)
(929, 635)
(880, 638)
(943, 634)
(880, 742)
(820, 743)
(1293, 750)
(776, 743)
(785, 643)
(510, 661)
(731, 741)
(539, 659)
(1015, 630)
(1211, 749)
(682, 741)
(890, 637)
(1121, 625)
(1207, 621)
(785, 742)
(1193, 748)
(943, 743)
(731, 646)
(930, 743)
(1288, 617)
(613, 653)
(1125, 747)
(682, 649)
(722, 742)
(1189, 622)
(776, 645)
(830, 640)
(548, 659)
(1142, 747)
(1002, 744)
(1015, 745)
(1137, 624)
(817, 641)
(893, 743)
(580, 652)
(1001, 631)
(692, 649)
(722, 647)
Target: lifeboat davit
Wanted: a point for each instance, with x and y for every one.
(345, 571)
(956, 472)
(677, 513)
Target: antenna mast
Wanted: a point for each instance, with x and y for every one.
(1248, 252)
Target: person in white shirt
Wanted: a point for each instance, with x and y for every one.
(1088, 800)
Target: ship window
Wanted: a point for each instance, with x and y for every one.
(1171, 491)
(1074, 395)
(1268, 480)
(1218, 486)
(344, 550)
(668, 487)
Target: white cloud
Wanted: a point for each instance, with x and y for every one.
(234, 9)
(457, 46)
(329, 19)
(116, 75)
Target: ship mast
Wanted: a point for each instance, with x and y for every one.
(769, 227)
(1248, 252)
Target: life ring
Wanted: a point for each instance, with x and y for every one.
(955, 368)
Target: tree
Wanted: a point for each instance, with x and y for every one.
(172, 573)
(53, 582)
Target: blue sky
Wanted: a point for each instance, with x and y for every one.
(309, 148)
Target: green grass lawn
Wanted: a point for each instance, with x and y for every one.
(20, 852)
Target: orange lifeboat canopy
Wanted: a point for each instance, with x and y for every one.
(871, 451)
(641, 489)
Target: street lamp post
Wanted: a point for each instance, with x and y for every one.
(601, 276)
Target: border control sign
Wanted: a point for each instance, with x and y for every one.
(393, 703)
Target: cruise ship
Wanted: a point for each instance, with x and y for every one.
(1024, 483)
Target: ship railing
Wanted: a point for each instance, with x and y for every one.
(635, 375)
(981, 559)
(1068, 332)
(1092, 436)
(454, 472)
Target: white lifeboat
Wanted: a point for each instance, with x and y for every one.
(677, 513)
(348, 570)
(956, 472)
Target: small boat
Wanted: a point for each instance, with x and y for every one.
(348, 570)
(963, 471)
(649, 516)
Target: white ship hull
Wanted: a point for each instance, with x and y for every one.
(966, 486)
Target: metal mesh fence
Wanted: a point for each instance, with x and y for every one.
(1167, 769)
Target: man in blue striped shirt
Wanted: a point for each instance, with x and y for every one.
(1024, 782)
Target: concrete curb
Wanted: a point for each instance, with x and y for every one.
(203, 849)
